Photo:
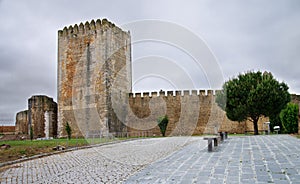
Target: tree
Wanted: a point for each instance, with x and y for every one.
(163, 123)
(289, 118)
(251, 96)
(68, 130)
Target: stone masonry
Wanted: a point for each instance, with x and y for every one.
(41, 116)
(189, 112)
(94, 60)
(22, 122)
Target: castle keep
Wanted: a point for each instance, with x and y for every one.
(91, 57)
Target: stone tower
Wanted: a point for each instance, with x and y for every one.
(94, 61)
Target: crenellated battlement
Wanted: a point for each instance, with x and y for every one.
(89, 28)
(199, 93)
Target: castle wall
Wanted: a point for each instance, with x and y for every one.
(182, 108)
(189, 113)
(94, 61)
(22, 122)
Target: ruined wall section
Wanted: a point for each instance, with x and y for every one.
(22, 122)
(38, 106)
(91, 57)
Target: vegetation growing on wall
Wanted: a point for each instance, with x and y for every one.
(31, 133)
(68, 130)
(163, 123)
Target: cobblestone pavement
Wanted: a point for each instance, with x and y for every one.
(249, 159)
(105, 164)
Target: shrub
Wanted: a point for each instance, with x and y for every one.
(68, 130)
(289, 118)
(31, 133)
(163, 123)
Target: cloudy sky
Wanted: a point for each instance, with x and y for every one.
(242, 36)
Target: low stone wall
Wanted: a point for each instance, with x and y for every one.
(7, 129)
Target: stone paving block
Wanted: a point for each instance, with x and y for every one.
(233, 178)
(295, 177)
(202, 181)
(274, 168)
(248, 181)
(281, 181)
(247, 170)
(248, 177)
(263, 178)
(186, 181)
(219, 171)
(291, 171)
(204, 173)
(278, 176)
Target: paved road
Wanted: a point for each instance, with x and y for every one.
(251, 159)
(106, 164)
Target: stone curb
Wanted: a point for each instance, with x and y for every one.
(62, 151)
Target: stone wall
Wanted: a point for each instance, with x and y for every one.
(189, 112)
(41, 116)
(7, 129)
(38, 107)
(94, 61)
(22, 122)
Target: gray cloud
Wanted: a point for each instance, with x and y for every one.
(243, 35)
